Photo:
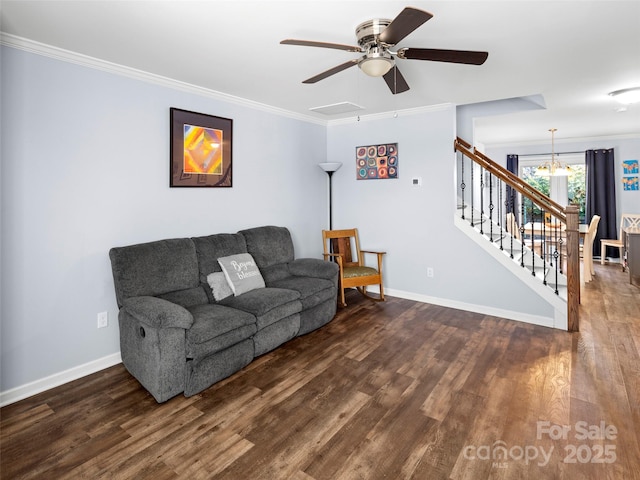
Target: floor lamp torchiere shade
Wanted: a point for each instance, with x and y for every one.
(330, 167)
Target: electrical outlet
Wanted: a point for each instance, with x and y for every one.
(430, 272)
(103, 319)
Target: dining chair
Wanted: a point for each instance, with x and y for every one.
(587, 250)
(344, 247)
(512, 226)
(531, 241)
(626, 220)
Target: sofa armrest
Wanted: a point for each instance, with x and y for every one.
(313, 267)
(158, 313)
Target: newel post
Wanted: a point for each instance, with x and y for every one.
(573, 268)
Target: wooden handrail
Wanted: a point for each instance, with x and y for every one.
(568, 216)
(512, 180)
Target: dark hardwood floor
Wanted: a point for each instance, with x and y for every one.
(385, 391)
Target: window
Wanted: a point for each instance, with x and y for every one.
(577, 188)
(563, 190)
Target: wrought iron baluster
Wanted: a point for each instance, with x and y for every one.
(522, 219)
(462, 184)
(512, 227)
(482, 201)
(472, 194)
(491, 206)
(533, 239)
(561, 242)
(556, 255)
(544, 247)
(501, 186)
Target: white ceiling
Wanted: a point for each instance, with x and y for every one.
(571, 52)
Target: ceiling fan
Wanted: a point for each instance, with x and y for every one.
(375, 39)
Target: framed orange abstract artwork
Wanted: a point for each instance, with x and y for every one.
(200, 150)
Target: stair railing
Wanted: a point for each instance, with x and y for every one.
(543, 235)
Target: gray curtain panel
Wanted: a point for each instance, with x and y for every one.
(511, 195)
(601, 195)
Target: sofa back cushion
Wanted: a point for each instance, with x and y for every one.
(155, 269)
(212, 247)
(271, 248)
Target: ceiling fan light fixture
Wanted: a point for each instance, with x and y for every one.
(376, 63)
(627, 96)
(543, 170)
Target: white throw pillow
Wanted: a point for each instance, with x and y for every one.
(219, 286)
(241, 273)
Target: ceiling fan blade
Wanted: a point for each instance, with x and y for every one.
(395, 81)
(406, 22)
(437, 55)
(311, 43)
(331, 71)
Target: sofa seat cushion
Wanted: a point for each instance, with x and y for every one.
(217, 327)
(353, 272)
(313, 291)
(268, 305)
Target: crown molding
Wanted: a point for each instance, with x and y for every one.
(61, 54)
(38, 48)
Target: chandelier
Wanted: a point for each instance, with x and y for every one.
(553, 168)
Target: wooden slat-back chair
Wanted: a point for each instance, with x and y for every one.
(627, 220)
(587, 250)
(344, 247)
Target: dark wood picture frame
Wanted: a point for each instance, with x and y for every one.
(201, 150)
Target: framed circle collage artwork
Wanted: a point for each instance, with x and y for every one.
(375, 162)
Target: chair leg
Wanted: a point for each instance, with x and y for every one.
(363, 291)
(586, 265)
(603, 252)
(342, 302)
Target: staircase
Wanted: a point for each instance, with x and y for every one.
(542, 251)
(523, 259)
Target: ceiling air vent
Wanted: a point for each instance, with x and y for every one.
(336, 108)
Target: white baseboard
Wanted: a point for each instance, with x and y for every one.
(471, 307)
(57, 379)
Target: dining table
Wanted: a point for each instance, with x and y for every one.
(548, 229)
(551, 233)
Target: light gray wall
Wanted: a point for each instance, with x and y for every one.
(85, 167)
(414, 225)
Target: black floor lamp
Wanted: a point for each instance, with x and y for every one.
(330, 167)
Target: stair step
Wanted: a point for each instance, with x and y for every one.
(544, 270)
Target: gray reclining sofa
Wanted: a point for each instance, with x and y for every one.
(175, 337)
